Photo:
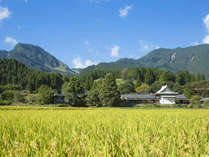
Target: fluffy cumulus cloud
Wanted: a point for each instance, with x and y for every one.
(10, 40)
(206, 22)
(123, 12)
(115, 51)
(78, 63)
(4, 13)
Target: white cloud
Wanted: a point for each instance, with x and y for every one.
(124, 11)
(195, 43)
(206, 39)
(157, 47)
(206, 22)
(145, 47)
(4, 13)
(10, 40)
(115, 51)
(78, 63)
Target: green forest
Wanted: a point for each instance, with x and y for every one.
(101, 88)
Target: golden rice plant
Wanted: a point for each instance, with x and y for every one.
(104, 132)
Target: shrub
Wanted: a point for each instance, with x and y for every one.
(5, 102)
(7, 95)
(144, 88)
(126, 87)
(32, 98)
(195, 102)
(206, 104)
(46, 94)
(19, 97)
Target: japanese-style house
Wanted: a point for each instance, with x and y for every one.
(163, 96)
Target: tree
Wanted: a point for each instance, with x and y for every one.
(206, 104)
(126, 87)
(93, 95)
(124, 73)
(7, 95)
(188, 92)
(167, 76)
(149, 77)
(88, 83)
(143, 89)
(180, 78)
(46, 94)
(157, 85)
(195, 101)
(109, 94)
(74, 91)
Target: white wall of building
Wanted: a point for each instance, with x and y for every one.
(167, 100)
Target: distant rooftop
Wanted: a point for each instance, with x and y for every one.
(165, 91)
(137, 97)
(204, 99)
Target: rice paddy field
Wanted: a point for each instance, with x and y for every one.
(104, 132)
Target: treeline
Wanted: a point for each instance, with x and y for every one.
(96, 87)
(129, 79)
(15, 75)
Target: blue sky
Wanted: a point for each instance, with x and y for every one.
(85, 32)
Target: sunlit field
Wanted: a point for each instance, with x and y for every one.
(104, 132)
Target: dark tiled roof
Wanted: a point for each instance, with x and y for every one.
(137, 97)
(60, 95)
(181, 97)
(204, 99)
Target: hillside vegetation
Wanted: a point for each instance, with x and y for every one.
(101, 88)
(193, 59)
(36, 58)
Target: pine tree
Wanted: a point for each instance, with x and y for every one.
(93, 95)
(109, 94)
(149, 77)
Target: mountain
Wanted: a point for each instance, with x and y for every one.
(36, 58)
(195, 59)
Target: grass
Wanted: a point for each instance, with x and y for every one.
(104, 132)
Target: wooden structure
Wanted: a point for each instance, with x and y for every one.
(138, 98)
(59, 98)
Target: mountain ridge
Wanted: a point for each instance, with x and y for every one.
(36, 58)
(194, 59)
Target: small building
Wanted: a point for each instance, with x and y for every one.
(204, 100)
(168, 97)
(181, 99)
(138, 98)
(59, 98)
(164, 96)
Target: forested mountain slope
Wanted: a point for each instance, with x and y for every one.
(194, 59)
(36, 58)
